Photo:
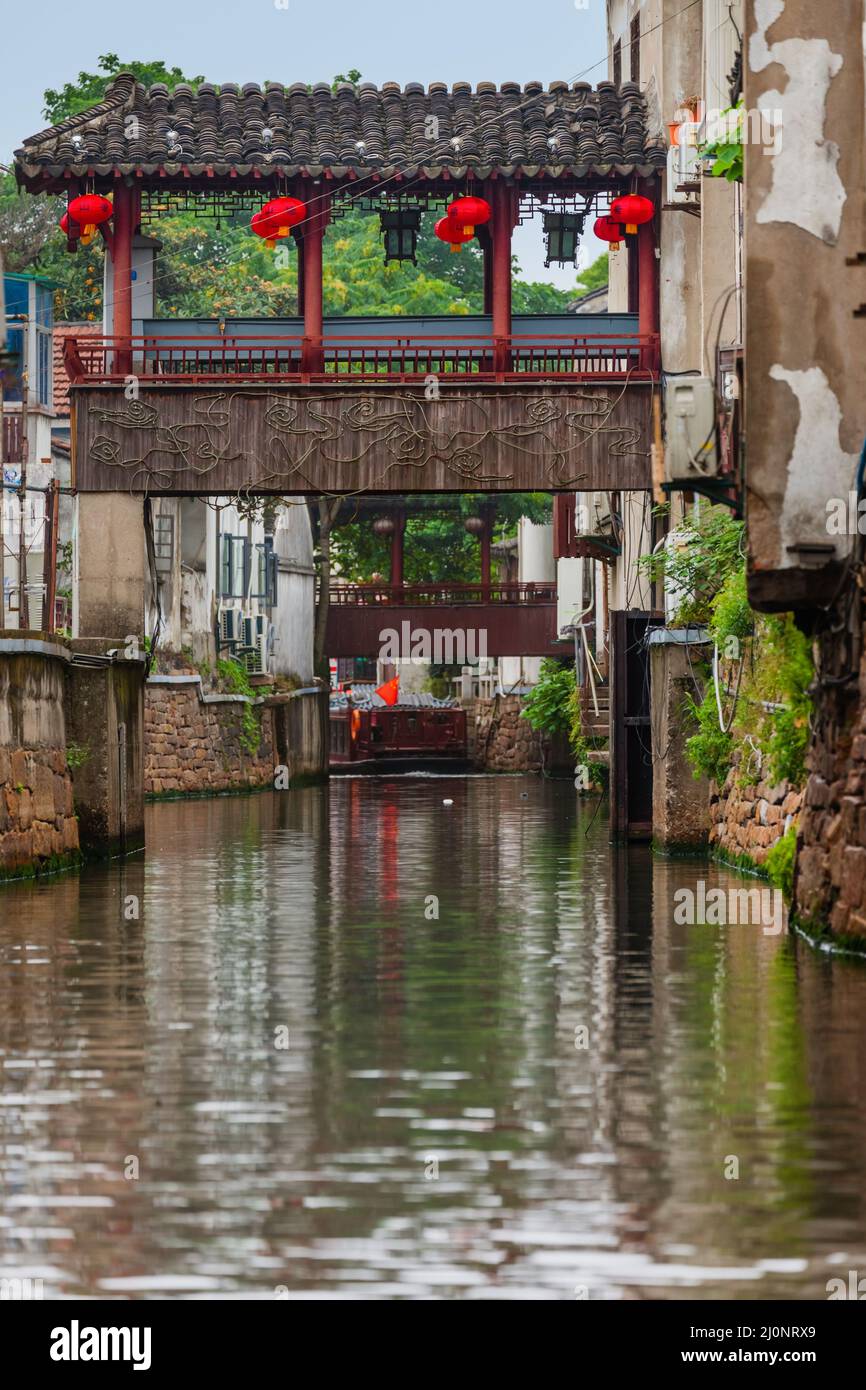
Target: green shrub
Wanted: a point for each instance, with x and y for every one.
(547, 707)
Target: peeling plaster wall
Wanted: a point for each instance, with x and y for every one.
(805, 349)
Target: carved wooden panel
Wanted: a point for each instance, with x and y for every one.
(190, 439)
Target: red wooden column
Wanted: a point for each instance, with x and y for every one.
(124, 222)
(503, 202)
(648, 286)
(318, 215)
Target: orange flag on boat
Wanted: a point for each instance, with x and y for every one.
(390, 691)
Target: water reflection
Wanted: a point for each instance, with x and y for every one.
(432, 1129)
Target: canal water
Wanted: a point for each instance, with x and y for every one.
(412, 1038)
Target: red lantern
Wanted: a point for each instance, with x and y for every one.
(607, 230)
(633, 210)
(88, 210)
(66, 224)
(469, 213)
(448, 230)
(276, 219)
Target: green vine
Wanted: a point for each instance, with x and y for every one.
(235, 679)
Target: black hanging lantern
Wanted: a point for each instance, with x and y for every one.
(563, 231)
(400, 231)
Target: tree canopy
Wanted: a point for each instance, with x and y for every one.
(90, 87)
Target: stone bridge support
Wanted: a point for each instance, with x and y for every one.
(111, 567)
(105, 693)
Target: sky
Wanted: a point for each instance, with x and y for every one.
(310, 41)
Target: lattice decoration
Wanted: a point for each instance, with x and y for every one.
(590, 204)
(217, 205)
(345, 201)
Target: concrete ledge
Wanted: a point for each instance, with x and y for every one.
(229, 698)
(16, 646)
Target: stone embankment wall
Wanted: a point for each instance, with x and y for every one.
(501, 741)
(197, 743)
(747, 821)
(830, 883)
(38, 828)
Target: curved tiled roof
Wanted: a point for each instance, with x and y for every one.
(230, 129)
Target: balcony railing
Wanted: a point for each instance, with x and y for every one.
(411, 595)
(287, 357)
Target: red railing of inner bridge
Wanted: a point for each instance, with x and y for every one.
(409, 595)
(471, 358)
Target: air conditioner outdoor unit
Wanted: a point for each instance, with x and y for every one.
(592, 514)
(690, 429)
(230, 625)
(255, 656)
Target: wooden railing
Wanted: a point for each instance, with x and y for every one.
(290, 357)
(410, 595)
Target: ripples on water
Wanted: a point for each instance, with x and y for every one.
(418, 1047)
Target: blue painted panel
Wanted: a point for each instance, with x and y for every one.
(348, 326)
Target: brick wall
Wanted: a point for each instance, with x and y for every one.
(37, 823)
(748, 820)
(195, 745)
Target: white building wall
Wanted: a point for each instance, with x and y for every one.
(294, 617)
(535, 565)
(191, 587)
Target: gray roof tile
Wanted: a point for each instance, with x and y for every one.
(569, 128)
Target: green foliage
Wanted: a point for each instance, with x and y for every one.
(784, 673)
(708, 550)
(764, 657)
(547, 707)
(709, 750)
(725, 155)
(732, 619)
(234, 678)
(438, 549)
(780, 862)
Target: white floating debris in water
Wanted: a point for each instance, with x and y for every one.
(447, 801)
